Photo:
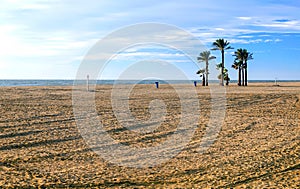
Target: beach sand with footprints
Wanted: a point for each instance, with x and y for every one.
(257, 146)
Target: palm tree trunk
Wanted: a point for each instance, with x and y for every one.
(203, 80)
(222, 69)
(243, 78)
(246, 74)
(239, 77)
(206, 72)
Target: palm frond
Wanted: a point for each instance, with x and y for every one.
(212, 57)
(221, 44)
(235, 66)
(219, 65)
(229, 47)
(205, 56)
(250, 56)
(214, 49)
(202, 71)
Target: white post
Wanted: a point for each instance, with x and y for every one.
(87, 82)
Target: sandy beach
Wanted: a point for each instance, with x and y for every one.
(258, 145)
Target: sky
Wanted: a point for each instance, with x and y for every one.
(42, 39)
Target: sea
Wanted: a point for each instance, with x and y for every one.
(15, 83)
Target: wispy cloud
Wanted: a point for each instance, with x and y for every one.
(244, 18)
(246, 36)
(290, 25)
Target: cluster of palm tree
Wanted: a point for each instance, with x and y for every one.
(240, 63)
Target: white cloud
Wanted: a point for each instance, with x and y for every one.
(268, 40)
(272, 40)
(219, 29)
(34, 6)
(278, 40)
(3, 64)
(32, 46)
(244, 41)
(244, 18)
(246, 36)
(291, 25)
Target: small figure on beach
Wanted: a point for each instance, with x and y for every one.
(157, 84)
(87, 83)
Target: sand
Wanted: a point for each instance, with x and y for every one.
(258, 145)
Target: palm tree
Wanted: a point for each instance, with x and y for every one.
(201, 72)
(243, 75)
(238, 66)
(205, 57)
(222, 45)
(248, 56)
(225, 74)
(241, 57)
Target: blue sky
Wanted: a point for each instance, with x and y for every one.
(49, 39)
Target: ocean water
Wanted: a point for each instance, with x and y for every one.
(13, 83)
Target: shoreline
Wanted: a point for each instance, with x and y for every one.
(199, 85)
(33, 83)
